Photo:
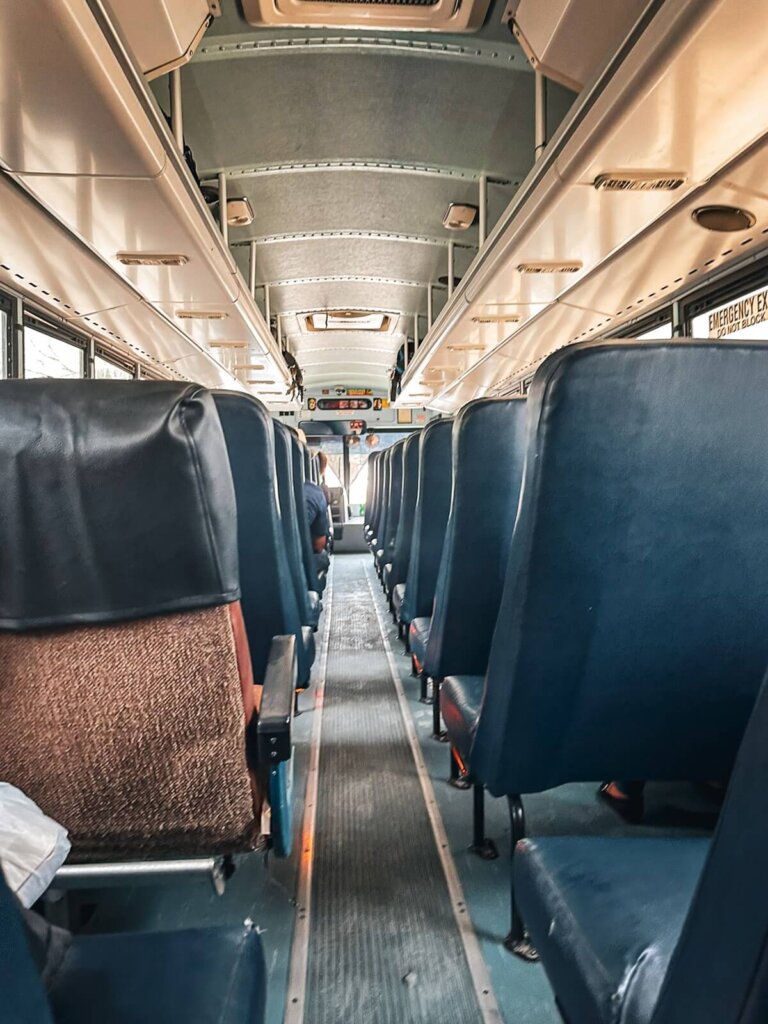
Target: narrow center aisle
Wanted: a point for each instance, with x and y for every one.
(384, 947)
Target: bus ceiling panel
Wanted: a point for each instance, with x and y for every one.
(678, 252)
(161, 342)
(359, 106)
(558, 206)
(645, 275)
(577, 225)
(342, 256)
(45, 261)
(360, 200)
(131, 217)
(688, 100)
(70, 113)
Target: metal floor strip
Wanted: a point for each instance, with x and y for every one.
(382, 944)
(297, 976)
(481, 977)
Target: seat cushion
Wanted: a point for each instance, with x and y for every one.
(201, 976)
(461, 698)
(306, 658)
(605, 916)
(418, 634)
(315, 606)
(398, 596)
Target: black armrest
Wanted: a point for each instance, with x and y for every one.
(276, 712)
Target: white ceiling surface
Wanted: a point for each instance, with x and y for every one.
(96, 173)
(688, 98)
(350, 146)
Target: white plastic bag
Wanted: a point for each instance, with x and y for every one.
(32, 846)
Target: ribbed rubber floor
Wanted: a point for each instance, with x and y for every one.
(384, 947)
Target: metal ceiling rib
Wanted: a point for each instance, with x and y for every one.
(483, 54)
(380, 166)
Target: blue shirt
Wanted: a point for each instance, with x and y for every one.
(316, 505)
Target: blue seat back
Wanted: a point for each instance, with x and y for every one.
(432, 506)
(719, 970)
(307, 554)
(630, 641)
(488, 447)
(370, 489)
(381, 503)
(401, 553)
(288, 516)
(23, 997)
(268, 598)
(394, 499)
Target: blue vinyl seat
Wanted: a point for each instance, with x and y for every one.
(315, 580)
(659, 931)
(394, 499)
(307, 601)
(488, 452)
(380, 522)
(629, 641)
(429, 524)
(200, 976)
(396, 570)
(430, 520)
(268, 599)
(370, 495)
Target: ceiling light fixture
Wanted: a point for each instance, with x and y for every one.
(639, 181)
(459, 216)
(723, 218)
(239, 212)
(253, 380)
(550, 267)
(201, 314)
(249, 366)
(152, 259)
(507, 318)
(466, 347)
(228, 344)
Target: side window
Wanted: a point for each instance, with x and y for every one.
(659, 332)
(105, 369)
(48, 356)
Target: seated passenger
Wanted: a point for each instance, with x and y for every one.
(318, 518)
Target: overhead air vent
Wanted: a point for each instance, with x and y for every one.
(550, 267)
(228, 344)
(348, 320)
(414, 15)
(201, 314)
(507, 318)
(466, 346)
(639, 181)
(152, 259)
